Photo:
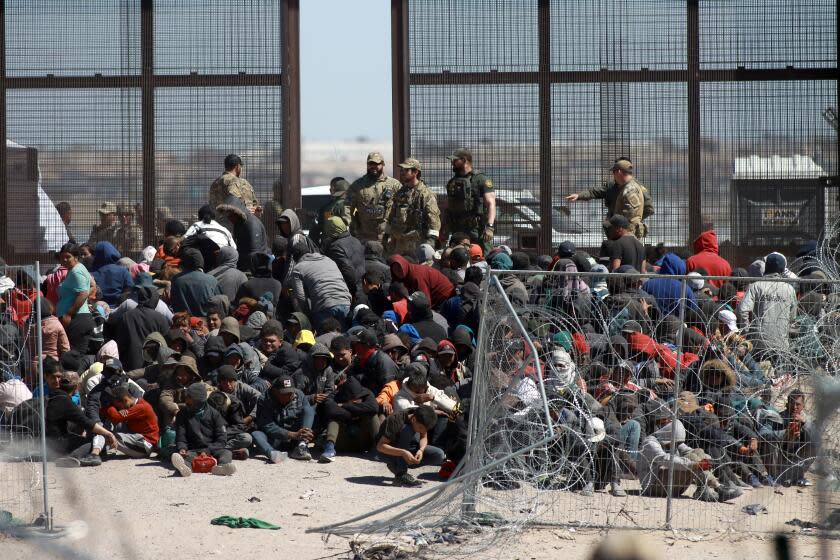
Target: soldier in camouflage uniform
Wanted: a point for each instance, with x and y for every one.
(231, 182)
(337, 206)
(414, 216)
(623, 196)
(370, 200)
(470, 200)
(129, 237)
(107, 228)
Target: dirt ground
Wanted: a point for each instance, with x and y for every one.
(138, 509)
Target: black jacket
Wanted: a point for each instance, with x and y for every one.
(352, 390)
(135, 325)
(199, 431)
(248, 232)
(63, 418)
(257, 286)
(377, 371)
(285, 361)
(349, 254)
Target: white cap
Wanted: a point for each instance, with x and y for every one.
(727, 317)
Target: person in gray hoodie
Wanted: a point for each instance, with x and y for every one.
(226, 274)
(318, 286)
(768, 309)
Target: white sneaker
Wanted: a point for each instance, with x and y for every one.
(223, 470)
(180, 465)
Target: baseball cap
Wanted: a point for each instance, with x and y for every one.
(631, 326)
(411, 163)
(617, 220)
(566, 249)
(284, 385)
(460, 153)
(364, 336)
(623, 164)
(112, 364)
(728, 318)
(108, 208)
(375, 157)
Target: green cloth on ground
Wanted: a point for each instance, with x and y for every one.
(242, 522)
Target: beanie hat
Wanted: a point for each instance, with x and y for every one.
(775, 263)
(756, 269)
(425, 253)
(197, 392)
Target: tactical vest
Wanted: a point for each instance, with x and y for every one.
(464, 196)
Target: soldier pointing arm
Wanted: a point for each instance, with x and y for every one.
(624, 196)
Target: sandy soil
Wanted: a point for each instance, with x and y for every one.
(138, 509)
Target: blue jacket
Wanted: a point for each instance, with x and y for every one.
(112, 279)
(667, 291)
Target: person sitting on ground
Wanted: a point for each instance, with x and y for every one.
(403, 443)
(284, 422)
(200, 429)
(135, 423)
(228, 277)
(261, 281)
(421, 317)
(350, 414)
(281, 357)
(192, 289)
(233, 413)
(371, 366)
(229, 383)
(63, 419)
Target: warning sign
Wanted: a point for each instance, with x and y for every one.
(780, 217)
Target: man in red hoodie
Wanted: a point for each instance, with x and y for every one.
(140, 432)
(706, 257)
(426, 279)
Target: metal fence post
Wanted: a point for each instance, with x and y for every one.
(42, 401)
(670, 488)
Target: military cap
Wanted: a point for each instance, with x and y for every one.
(461, 153)
(624, 165)
(411, 163)
(108, 208)
(375, 157)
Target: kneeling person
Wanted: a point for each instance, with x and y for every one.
(403, 442)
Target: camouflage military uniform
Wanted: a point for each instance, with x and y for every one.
(370, 203)
(465, 210)
(631, 201)
(414, 219)
(103, 233)
(229, 183)
(128, 238)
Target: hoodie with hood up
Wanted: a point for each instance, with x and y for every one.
(347, 252)
(426, 279)
(136, 324)
(667, 291)
(768, 309)
(112, 279)
(228, 277)
(706, 257)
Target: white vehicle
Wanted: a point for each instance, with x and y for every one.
(33, 224)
